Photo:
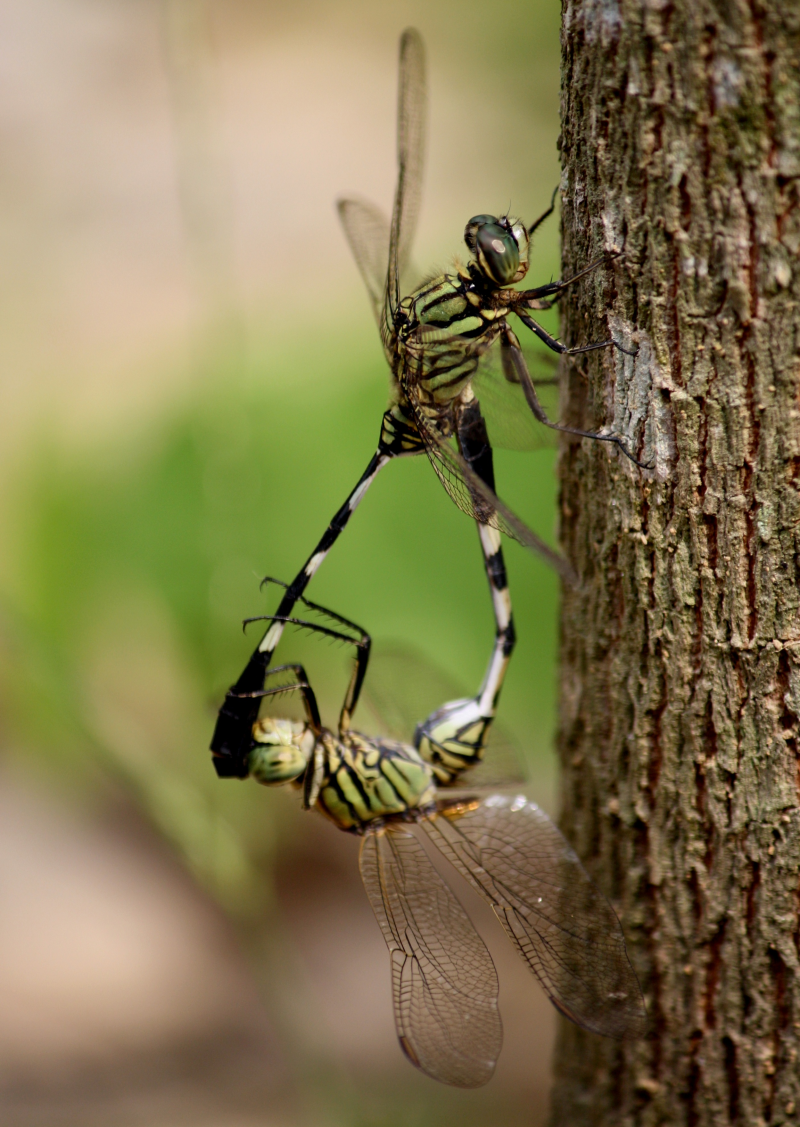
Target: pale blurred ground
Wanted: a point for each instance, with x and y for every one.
(166, 199)
(124, 997)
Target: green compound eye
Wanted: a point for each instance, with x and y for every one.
(498, 253)
(278, 758)
(275, 765)
(472, 228)
(495, 246)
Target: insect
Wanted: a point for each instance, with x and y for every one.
(444, 983)
(434, 340)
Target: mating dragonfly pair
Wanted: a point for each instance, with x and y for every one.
(437, 340)
(444, 983)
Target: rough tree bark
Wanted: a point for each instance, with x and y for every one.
(680, 679)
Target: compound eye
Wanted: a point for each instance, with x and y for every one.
(275, 765)
(497, 252)
(520, 233)
(278, 758)
(472, 228)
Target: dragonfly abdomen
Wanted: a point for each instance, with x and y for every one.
(399, 433)
(446, 371)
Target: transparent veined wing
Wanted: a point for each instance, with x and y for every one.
(472, 495)
(509, 420)
(560, 923)
(404, 687)
(367, 230)
(444, 983)
(410, 158)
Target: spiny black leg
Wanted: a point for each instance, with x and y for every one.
(545, 214)
(510, 346)
(301, 685)
(362, 651)
(361, 644)
(557, 346)
(555, 289)
(295, 667)
(355, 686)
(510, 372)
(332, 614)
(304, 624)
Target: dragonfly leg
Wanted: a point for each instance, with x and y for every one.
(453, 737)
(301, 685)
(561, 349)
(545, 214)
(232, 739)
(510, 372)
(514, 357)
(362, 646)
(531, 299)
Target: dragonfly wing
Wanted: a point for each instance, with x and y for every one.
(560, 923)
(367, 231)
(474, 497)
(444, 983)
(410, 157)
(509, 420)
(426, 687)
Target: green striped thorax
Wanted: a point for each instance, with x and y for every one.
(369, 779)
(500, 247)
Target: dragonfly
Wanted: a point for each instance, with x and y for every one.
(444, 983)
(434, 339)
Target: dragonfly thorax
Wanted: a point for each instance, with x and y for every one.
(500, 247)
(368, 780)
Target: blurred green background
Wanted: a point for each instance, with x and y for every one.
(193, 382)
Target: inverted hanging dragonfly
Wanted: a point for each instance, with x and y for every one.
(434, 340)
(444, 982)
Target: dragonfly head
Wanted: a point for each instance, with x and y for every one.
(283, 751)
(500, 247)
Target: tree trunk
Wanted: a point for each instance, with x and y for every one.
(680, 656)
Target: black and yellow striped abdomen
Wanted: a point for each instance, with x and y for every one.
(367, 779)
